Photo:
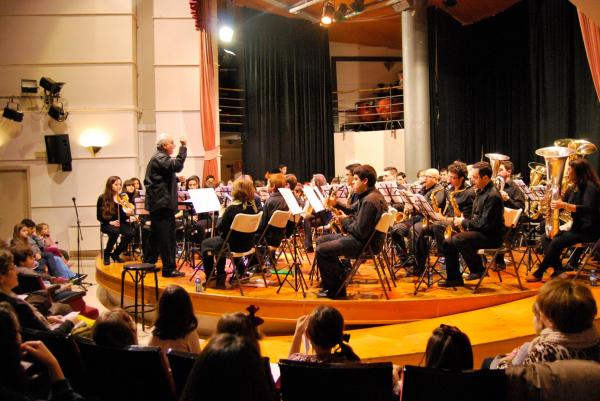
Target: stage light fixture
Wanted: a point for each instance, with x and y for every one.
(11, 113)
(358, 6)
(342, 12)
(51, 86)
(226, 34)
(58, 113)
(328, 13)
(29, 86)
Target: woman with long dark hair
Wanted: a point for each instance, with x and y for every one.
(581, 200)
(176, 324)
(112, 212)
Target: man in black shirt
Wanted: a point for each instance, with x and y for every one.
(511, 195)
(484, 229)
(161, 202)
(370, 206)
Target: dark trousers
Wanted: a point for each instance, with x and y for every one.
(404, 230)
(466, 243)
(329, 248)
(554, 247)
(314, 220)
(162, 239)
(210, 248)
(126, 232)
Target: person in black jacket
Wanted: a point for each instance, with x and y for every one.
(371, 205)
(484, 229)
(243, 202)
(274, 203)
(112, 214)
(582, 199)
(161, 202)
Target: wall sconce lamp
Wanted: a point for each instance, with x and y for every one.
(93, 139)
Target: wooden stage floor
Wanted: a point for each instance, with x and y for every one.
(365, 305)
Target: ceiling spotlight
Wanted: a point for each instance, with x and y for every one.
(342, 12)
(58, 113)
(328, 13)
(358, 6)
(226, 34)
(13, 114)
(29, 86)
(51, 86)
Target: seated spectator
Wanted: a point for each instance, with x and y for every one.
(241, 324)
(176, 324)
(564, 314)
(324, 328)
(229, 368)
(50, 245)
(13, 383)
(115, 329)
(28, 315)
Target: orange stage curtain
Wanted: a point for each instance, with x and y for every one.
(591, 39)
(202, 10)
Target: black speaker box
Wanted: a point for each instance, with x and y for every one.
(58, 150)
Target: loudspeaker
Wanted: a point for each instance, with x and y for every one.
(58, 150)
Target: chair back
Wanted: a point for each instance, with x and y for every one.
(332, 382)
(181, 364)
(29, 283)
(385, 222)
(135, 373)
(246, 223)
(511, 217)
(425, 384)
(279, 218)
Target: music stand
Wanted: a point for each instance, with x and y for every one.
(423, 207)
(205, 200)
(296, 266)
(534, 194)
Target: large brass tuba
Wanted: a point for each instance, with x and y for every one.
(495, 159)
(556, 159)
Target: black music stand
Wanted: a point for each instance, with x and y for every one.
(533, 195)
(203, 200)
(295, 268)
(187, 254)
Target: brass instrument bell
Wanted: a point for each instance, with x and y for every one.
(495, 159)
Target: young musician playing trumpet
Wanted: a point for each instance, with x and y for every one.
(112, 211)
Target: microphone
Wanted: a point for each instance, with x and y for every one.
(73, 199)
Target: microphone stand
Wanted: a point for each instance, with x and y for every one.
(79, 239)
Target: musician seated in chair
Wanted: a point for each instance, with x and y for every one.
(581, 200)
(434, 193)
(312, 219)
(459, 196)
(371, 205)
(484, 229)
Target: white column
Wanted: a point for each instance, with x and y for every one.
(416, 88)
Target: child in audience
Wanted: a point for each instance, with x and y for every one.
(564, 313)
(240, 324)
(50, 245)
(13, 384)
(116, 329)
(176, 324)
(229, 368)
(324, 328)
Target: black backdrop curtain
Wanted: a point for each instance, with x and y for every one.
(509, 84)
(288, 96)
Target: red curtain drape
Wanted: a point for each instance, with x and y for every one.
(202, 11)
(591, 39)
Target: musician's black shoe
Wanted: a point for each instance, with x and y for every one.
(106, 260)
(117, 258)
(310, 250)
(172, 273)
(331, 294)
(500, 266)
(451, 283)
(474, 276)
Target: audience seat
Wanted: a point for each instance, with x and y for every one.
(136, 373)
(181, 364)
(426, 384)
(331, 382)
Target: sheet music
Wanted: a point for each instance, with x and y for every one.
(140, 206)
(290, 200)
(319, 195)
(204, 200)
(390, 191)
(312, 198)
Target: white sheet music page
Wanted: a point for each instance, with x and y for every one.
(204, 200)
(291, 201)
(312, 198)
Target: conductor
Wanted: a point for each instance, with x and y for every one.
(161, 202)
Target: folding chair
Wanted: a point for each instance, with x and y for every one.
(244, 226)
(590, 249)
(375, 254)
(277, 225)
(181, 364)
(511, 220)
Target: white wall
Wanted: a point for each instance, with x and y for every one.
(90, 45)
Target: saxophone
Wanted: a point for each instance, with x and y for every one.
(456, 210)
(434, 204)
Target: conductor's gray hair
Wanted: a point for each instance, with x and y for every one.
(162, 139)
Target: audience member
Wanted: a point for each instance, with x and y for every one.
(229, 368)
(116, 329)
(176, 324)
(241, 324)
(324, 328)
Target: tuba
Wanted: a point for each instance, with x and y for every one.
(556, 158)
(495, 159)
